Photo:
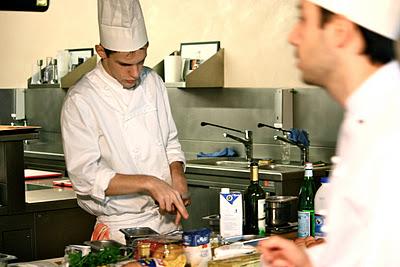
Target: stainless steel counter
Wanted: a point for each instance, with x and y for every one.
(234, 167)
(47, 192)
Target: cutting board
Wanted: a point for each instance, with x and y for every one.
(37, 174)
(8, 129)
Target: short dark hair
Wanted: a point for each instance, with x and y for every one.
(109, 52)
(378, 48)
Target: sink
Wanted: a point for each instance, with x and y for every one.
(236, 162)
(222, 161)
(233, 163)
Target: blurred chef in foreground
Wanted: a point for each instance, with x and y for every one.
(120, 140)
(348, 47)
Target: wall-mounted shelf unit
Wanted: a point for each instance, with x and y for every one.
(209, 73)
(71, 77)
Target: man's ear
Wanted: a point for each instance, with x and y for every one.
(100, 51)
(343, 31)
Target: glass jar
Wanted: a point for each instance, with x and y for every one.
(171, 252)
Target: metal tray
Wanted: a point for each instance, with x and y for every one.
(138, 232)
(135, 233)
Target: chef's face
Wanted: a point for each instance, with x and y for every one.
(309, 38)
(125, 67)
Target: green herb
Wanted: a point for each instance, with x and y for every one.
(106, 256)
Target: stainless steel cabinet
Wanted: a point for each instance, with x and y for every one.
(205, 191)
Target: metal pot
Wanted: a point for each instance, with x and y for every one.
(278, 210)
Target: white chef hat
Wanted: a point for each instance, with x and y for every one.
(380, 16)
(121, 25)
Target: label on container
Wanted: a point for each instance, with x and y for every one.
(151, 262)
(305, 223)
(231, 214)
(261, 217)
(195, 238)
(319, 223)
(197, 247)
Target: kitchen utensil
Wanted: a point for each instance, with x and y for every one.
(278, 210)
(131, 234)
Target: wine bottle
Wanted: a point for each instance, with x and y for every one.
(305, 213)
(254, 202)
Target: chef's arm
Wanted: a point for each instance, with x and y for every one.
(179, 182)
(168, 198)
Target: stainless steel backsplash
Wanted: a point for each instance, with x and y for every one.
(240, 108)
(243, 108)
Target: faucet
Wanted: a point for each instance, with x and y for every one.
(247, 140)
(304, 153)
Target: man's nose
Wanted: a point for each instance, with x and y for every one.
(293, 35)
(134, 71)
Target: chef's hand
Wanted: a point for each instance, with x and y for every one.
(179, 183)
(168, 199)
(186, 201)
(280, 252)
(308, 242)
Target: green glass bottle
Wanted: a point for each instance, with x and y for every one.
(305, 213)
(254, 202)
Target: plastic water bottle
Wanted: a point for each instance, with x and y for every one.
(321, 207)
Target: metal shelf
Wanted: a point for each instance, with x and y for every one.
(71, 77)
(209, 74)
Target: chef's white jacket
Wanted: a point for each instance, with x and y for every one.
(364, 202)
(107, 130)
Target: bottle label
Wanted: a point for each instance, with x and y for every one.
(305, 223)
(261, 217)
(319, 223)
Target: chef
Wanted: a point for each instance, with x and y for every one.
(348, 48)
(120, 141)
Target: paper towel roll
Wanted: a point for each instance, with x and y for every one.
(172, 69)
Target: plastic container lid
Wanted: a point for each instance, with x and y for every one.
(324, 180)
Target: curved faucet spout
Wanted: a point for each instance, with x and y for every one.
(247, 141)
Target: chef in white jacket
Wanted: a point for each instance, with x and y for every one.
(347, 47)
(120, 141)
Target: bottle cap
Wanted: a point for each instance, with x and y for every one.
(324, 180)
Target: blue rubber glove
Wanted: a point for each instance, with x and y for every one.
(226, 152)
(299, 136)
